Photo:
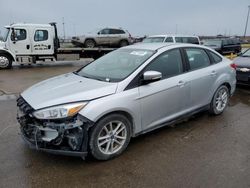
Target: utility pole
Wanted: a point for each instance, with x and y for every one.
(247, 21)
(63, 28)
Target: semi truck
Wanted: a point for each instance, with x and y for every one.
(26, 43)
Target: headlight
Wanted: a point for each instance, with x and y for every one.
(59, 112)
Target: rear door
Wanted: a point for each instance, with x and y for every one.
(202, 76)
(167, 98)
(43, 41)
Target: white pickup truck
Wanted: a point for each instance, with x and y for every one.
(28, 43)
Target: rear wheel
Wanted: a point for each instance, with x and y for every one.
(123, 43)
(89, 43)
(220, 100)
(110, 137)
(5, 61)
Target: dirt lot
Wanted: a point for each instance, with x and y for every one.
(205, 151)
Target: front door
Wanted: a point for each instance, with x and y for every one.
(19, 42)
(103, 37)
(163, 100)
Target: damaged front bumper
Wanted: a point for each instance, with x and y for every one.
(64, 137)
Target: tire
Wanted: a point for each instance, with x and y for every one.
(102, 140)
(123, 43)
(5, 61)
(219, 101)
(89, 43)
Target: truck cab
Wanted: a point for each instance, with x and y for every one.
(27, 43)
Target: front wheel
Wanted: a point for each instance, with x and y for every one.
(110, 137)
(219, 101)
(5, 61)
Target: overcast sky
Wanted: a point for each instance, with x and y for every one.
(139, 17)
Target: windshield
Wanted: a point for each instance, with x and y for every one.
(116, 65)
(153, 39)
(212, 43)
(6, 33)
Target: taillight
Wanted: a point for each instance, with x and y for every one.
(233, 65)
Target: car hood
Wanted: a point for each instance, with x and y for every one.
(242, 61)
(66, 88)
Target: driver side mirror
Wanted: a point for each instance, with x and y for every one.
(98, 33)
(151, 76)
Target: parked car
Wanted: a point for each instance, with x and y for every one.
(224, 45)
(114, 37)
(242, 63)
(128, 92)
(172, 38)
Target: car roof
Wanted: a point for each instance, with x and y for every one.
(157, 46)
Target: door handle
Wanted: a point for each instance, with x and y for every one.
(27, 47)
(213, 73)
(181, 83)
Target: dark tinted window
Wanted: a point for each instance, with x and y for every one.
(18, 34)
(178, 39)
(169, 39)
(41, 35)
(116, 31)
(193, 40)
(215, 57)
(105, 32)
(168, 63)
(197, 58)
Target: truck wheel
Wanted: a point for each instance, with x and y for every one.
(110, 137)
(5, 61)
(219, 101)
(123, 43)
(89, 43)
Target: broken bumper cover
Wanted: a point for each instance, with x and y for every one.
(54, 151)
(63, 137)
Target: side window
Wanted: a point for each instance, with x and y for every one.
(178, 39)
(168, 63)
(41, 35)
(215, 57)
(169, 39)
(193, 40)
(104, 31)
(197, 58)
(18, 34)
(119, 31)
(225, 42)
(113, 31)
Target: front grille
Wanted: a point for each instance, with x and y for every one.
(24, 106)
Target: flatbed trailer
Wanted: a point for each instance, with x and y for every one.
(84, 52)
